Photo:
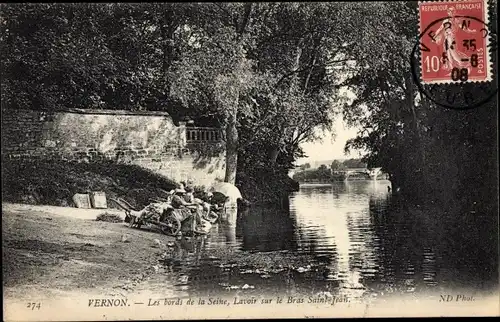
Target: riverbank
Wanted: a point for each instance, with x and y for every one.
(49, 254)
(249, 254)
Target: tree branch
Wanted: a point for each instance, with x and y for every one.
(246, 19)
(309, 67)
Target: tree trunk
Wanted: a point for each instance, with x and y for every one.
(231, 129)
(167, 32)
(231, 146)
(277, 149)
(309, 74)
(274, 154)
(317, 43)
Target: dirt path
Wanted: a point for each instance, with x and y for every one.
(46, 254)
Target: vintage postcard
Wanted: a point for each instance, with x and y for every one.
(165, 161)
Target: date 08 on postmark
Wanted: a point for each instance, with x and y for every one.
(454, 41)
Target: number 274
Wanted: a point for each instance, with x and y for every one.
(34, 306)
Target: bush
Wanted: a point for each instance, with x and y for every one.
(266, 186)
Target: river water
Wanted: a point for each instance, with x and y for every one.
(348, 238)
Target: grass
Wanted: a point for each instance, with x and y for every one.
(54, 182)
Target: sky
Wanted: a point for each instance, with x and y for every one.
(330, 148)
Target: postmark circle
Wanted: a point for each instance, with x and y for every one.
(459, 95)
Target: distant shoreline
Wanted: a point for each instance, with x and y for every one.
(325, 183)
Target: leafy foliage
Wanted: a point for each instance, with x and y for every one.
(239, 66)
(271, 74)
(432, 154)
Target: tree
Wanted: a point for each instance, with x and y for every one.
(269, 74)
(337, 165)
(113, 56)
(269, 84)
(214, 70)
(305, 166)
(384, 107)
(428, 151)
(299, 98)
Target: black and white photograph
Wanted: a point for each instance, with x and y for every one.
(235, 160)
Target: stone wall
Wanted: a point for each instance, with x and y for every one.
(148, 139)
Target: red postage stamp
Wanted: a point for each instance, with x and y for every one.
(454, 40)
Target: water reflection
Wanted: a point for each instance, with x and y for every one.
(265, 231)
(344, 239)
(340, 227)
(223, 233)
